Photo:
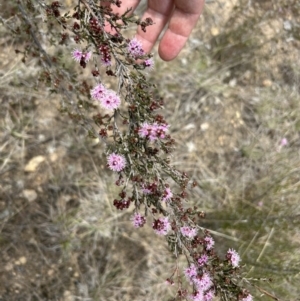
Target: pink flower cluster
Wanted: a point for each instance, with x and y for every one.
(200, 296)
(202, 260)
(135, 48)
(116, 162)
(161, 226)
(202, 283)
(108, 98)
(233, 257)
(79, 55)
(188, 231)
(153, 131)
(209, 242)
(138, 220)
(167, 195)
(191, 272)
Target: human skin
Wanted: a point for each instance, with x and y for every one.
(181, 17)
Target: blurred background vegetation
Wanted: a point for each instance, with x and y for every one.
(232, 98)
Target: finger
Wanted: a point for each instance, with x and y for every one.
(183, 20)
(159, 11)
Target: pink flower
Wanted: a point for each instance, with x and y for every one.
(233, 257)
(191, 272)
(188, 231)
(153, 131)
(145, 130)
(204, 282)
(248, 298)
(86, 56)
(116, 162)
(160, 130)
(138, 220)
(78, 55)
(202, 260)
(98, 92)
(167, 194)
(209, 295)
(200, 294)
(161, 226)
(283, 142)
(149, 63)
(110, 100)
(135, 48)
(209, 242)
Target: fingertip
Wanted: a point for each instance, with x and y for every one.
(166, 55)
(170, 46)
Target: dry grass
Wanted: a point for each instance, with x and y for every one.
(231, 97)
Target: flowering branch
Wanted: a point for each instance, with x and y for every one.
(136, 136)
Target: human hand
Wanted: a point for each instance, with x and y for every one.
(181, 16)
